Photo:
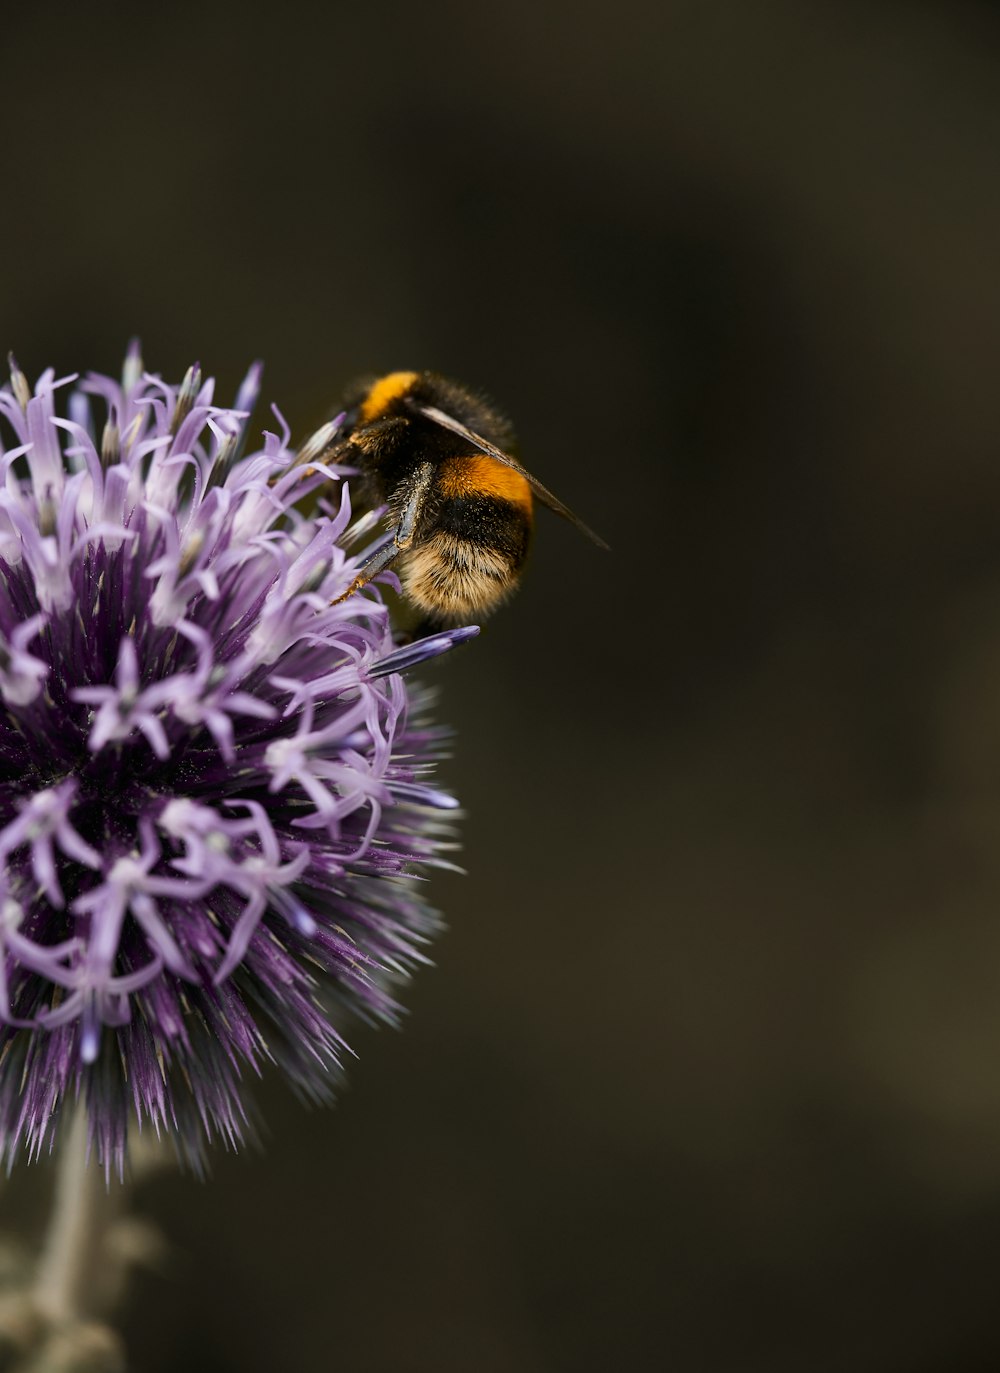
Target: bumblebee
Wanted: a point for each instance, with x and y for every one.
(460, 507)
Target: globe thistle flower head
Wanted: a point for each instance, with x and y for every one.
(214, 781)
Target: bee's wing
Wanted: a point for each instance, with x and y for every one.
(447, 421)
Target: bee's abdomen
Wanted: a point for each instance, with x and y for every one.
(470, 560)
(475, 475)
(486, 522)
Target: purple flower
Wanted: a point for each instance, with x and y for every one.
(213, 780)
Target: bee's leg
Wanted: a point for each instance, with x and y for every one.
(414, 505)
(402, 538)
(374, 564)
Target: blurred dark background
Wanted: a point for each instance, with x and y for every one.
(707, 1075)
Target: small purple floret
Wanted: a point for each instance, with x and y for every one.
(214, 790)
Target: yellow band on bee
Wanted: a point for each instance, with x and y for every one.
(383, 393)
(482, 476)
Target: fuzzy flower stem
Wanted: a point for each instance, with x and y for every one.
(79, 1217)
